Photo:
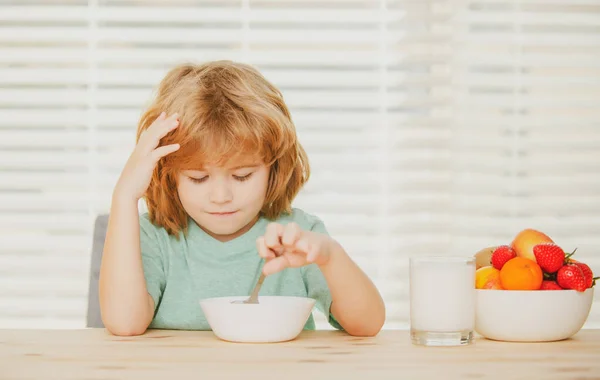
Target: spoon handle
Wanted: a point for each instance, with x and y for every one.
(254, 296)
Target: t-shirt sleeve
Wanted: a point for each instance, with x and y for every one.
(316, 285)
(152, 262)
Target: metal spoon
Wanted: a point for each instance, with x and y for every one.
(254, 295)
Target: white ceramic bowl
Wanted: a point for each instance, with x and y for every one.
(531, 316)
(273, 319)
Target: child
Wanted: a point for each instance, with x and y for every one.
(219, 163)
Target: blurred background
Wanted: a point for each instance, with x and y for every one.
(432, 126)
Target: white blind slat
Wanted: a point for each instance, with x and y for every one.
(431, 126)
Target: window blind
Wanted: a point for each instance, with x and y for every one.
(432, 126)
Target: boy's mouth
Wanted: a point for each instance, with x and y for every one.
(225, 213)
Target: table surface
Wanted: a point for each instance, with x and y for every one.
(167, 354)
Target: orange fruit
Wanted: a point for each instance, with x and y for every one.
(487, 277)
(520, 273)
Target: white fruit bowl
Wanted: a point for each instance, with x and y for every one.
(273, 319)
(531, 316)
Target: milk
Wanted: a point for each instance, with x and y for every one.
(442, 294)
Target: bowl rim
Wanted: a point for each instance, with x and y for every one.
(561, 291)
(211, 300)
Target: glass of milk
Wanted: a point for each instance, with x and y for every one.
(442, 300)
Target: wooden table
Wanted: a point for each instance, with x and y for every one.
(175, 355)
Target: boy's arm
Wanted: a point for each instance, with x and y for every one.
(126, 306)
(356, 302)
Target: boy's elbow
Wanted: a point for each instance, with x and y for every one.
(124, 325)
(367, 331)
(124, 330)
(122, 322)
(371, 329)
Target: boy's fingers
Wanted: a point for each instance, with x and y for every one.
(303, 246)
(263, 250)
(162, 151)
(273, 236)
(160, 128)
(275, 265)
(312, 253)
(291, 234)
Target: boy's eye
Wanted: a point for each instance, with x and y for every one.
(198, 180)
(242, 178)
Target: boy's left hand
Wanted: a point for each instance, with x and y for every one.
(290, 246)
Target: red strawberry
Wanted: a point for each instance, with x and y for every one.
(587, 273)
(550, 285)
(570, 276)
(550, 257)
(501, 255)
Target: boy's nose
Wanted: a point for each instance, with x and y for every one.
(220, 193)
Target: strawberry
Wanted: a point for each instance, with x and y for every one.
(587, 273)
(501, 255)
(570, 276)
(550, 285)
(550, 257)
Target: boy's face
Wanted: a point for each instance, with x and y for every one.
(224, 201)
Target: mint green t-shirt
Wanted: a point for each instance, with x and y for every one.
(179, 273)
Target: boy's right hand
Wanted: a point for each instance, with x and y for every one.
(137, 173)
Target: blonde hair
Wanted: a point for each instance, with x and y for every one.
(227, 111)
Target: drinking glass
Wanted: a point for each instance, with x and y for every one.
(442, 300)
